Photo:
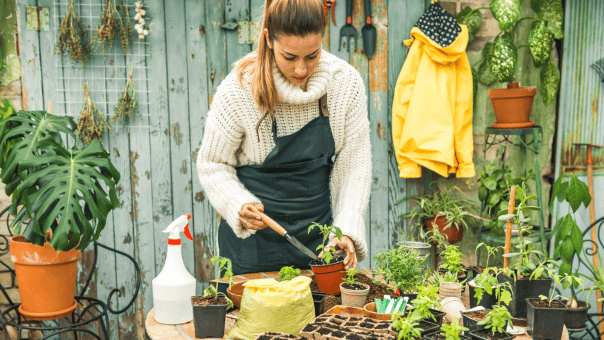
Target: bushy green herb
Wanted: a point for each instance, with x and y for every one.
(407, 326)
(497, 319)
(487, 282)
(288, 273)
(224, 264)
(402, 267)
(452, 331)
(427, 299)
(325, 230)
(452, 259)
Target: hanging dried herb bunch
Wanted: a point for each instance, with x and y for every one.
(128, 104)
(92, 122)
(73, 38)
(114, 25)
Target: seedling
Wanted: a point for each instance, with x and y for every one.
(447, 277)
(225, 265)
(288, 273)
(490, 251)
(452, 331)
(350, 273)
(564, 282)
(426, 299)
(489, 283)
(325, 230)
(452, 257)
(407, 327)
(402, 267)
(497, 319)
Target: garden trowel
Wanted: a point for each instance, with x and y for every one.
(369, 32)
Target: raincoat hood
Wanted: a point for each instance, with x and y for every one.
(439, 54)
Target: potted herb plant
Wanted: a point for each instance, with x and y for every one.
(448, 283)
(411, 327)
(512, 105)
(442, 210)
(545, 316)
(402, 268)
(426, 304)
(329, 269)
(495, 324)
(66, 193)
(452, 262)
(486, 290)
(450, 331)
(354, 294)
(209, 310)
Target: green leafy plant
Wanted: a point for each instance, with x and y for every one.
(402, 267)
(491, 251)
(68, 193)
(427, 298)
(500, 57)
(325, 230)
(452, 259)
(438, 278)
(497, 319)
(597, 279)
(350, 279)
(224, 266)
(452, 331)
(407, 326)
(288, 273)
(7, 110)
(487, 282)
(561, 280)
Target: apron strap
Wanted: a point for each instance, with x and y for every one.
(323, 103)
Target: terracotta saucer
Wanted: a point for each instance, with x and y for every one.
(48, 316)
(513, 125)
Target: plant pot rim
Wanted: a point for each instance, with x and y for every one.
(331, 263)
(206, 298)
(520, 92)
(528, 300)
(470, 311)
(355, 290)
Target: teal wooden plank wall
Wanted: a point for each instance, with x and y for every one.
(177, 70)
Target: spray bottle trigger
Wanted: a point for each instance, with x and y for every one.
(188, 233)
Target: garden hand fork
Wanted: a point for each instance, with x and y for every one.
(348, 31)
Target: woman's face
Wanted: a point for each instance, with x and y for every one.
(295, 56)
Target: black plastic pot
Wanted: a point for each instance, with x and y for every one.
(478, 337)
(319, 300)
(471, 324)
(474, 272)
(433, 328)
(411, 296)
(523, 289)
(576, 317)
(487, 300)
(209, 320)
(434, 336)
(438, 315)
(544, 323)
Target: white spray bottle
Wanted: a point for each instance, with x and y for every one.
(174, 286)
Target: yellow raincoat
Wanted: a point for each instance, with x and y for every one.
(432, 108)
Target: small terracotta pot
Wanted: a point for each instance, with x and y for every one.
(453, 234)
(47, 279)
(329, 277)
(512, 106)
(453, 307)
(352, 297)
(235, 292)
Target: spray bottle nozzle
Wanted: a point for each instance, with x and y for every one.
(179, 225)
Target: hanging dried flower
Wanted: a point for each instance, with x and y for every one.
(128, 104)
(73, 38)
(92, 122)
(114, 25)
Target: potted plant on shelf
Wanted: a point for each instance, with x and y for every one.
(426, 305)
(442, 210)
(450, 331)
(209, 310)
(354, 294)
(512, 105)
(329, 269)
(545, 316)
(66, 194)
(495, 322)
(402, 268)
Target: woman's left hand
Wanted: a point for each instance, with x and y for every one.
(347, 246)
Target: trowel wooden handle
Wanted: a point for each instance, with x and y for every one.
(270, 222)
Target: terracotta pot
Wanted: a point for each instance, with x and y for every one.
(453, 234)
(46, 278)
(329, 277)
(235, 292)
(512, 106)
(369, 311)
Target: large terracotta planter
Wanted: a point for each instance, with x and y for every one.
(453, 234)
(512, 106)
(329, 277)
(46, 279)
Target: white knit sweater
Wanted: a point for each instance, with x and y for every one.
(230, 140)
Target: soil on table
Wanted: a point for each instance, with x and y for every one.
(353, 287)
(204, 301)
(488, 334)
(477, 315)
(545, 304)
(375, 291)
(323, 331)
(321, 261)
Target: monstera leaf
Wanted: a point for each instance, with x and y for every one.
(472, 19)
(69, 196)
(550, 80)
(506, 12)
(552, 12)
(540, 42)
(503, 59)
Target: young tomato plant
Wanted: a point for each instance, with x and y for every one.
(452, 331)
(497, 319)
(491, 251)
(452, 257)
(563, 281)
(224, 265)
(486, 282)
(325, 230)
(407, 327)
(427, 298)
(288, 273)
(350, 273)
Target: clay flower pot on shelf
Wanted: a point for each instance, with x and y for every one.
(354, 296)
(512, 106)
(209, 316)
(453, 234)
(329, 276)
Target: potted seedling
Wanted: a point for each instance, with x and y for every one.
(452, 262)
(450, 331)
(448, 283)
(354, 294)
(209, 310)
(545, 316)
(486, 289)
(491, 252)
(66, 194)
(411, 327)
(513, 105)
(426, 304)
(402, 268)
(328, 269)
(495, 324)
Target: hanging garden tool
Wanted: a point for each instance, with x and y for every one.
(332, 5)
(348, 31)
(92, 122)
(369, 32)
(128, 104)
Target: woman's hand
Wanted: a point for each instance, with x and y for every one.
(249, 219)
(347, 245)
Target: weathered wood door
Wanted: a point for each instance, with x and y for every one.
(177, 69)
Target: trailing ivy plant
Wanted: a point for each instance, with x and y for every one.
(500, 57)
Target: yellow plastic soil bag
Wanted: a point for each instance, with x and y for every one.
(271, 306)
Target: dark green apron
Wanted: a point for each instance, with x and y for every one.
(293, 185)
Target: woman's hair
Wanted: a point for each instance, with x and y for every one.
(280, 17)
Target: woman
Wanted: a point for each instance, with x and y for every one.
(268, 145)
